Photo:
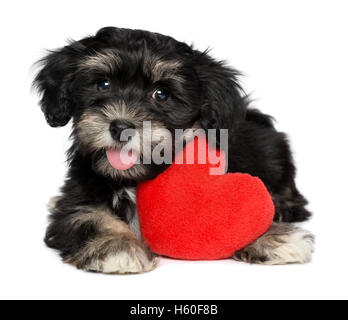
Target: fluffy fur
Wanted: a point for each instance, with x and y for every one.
(88, 222)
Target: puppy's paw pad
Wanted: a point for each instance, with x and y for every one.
(247, 255)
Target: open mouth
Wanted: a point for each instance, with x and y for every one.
(121, 158)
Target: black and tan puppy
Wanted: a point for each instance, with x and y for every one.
(120, 78)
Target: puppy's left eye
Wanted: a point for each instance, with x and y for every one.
(160, 95)
(103, 85)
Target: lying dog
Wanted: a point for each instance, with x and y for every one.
(120, 78)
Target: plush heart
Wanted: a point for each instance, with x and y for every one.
(186, 213)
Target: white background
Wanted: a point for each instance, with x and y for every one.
(294, 56)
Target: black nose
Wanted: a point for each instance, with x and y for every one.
(117, 126)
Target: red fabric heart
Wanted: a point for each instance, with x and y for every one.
(186, 213)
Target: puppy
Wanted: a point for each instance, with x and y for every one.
(115, 81)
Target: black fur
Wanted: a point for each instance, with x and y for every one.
(208, 93)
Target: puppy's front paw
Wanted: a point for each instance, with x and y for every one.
(133, 260)
(116, 256)
(295, 247)
(282, 244)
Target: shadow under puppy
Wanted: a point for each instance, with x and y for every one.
(120, 78)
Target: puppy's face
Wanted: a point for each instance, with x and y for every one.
(121, 86)
(126, 87)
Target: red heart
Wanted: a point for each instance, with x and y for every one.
(186, 213)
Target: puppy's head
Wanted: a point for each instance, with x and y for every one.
(113, 83)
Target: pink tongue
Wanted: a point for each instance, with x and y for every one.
(121, 159)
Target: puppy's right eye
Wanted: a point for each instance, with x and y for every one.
(103, 85)
(160, 95)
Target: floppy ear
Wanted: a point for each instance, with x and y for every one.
(53, 82)
(224, 100)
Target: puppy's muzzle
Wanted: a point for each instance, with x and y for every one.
(118, 126)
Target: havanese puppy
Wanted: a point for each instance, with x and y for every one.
(119, 79)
